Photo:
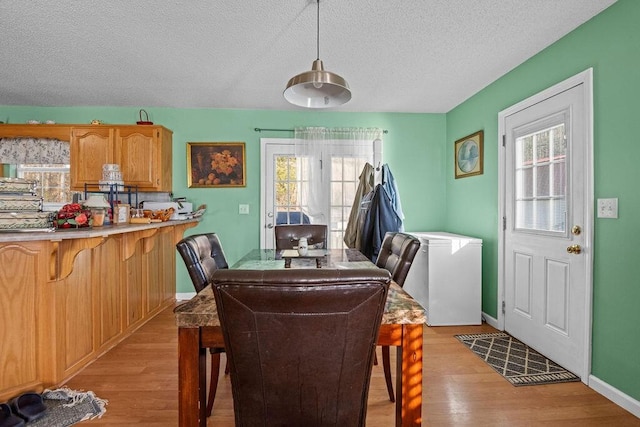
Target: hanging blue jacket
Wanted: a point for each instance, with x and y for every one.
(380, 218)
(391, 188)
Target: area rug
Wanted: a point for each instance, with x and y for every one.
(516, 362)
(66, 407)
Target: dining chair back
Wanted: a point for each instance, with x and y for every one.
(288, 235)
(203, 255)
(300, 343)
(396, 255)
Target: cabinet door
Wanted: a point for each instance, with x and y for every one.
(25, 331)
(90, 148)
(138, 150)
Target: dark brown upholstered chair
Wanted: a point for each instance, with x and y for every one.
(300, 343)
(287, 236)
(202, 255)
(396, 255)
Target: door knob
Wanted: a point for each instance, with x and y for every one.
(574, 249)
(269, 225)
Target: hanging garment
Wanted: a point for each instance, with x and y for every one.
(383, 214)
(391, 188)
(379, 219)
(354, 226)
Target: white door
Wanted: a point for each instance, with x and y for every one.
(281, 195)
(547, 291)
(283, 200)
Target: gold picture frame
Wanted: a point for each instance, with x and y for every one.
(216, 164)
(468, 155)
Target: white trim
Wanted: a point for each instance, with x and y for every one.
(616, 396)
(184, 296)
(491, 321)
(584, 78)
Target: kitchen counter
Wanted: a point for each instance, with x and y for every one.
(69, 296)
(87, 232)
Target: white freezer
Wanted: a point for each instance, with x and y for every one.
(446, 278)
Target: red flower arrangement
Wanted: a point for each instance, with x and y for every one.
(73, 215)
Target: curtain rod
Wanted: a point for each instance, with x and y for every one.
(292, 130)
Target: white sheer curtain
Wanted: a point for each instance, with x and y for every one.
(314, 145)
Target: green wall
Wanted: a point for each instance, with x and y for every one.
(412, 148)
(610, 43)
(419, 149)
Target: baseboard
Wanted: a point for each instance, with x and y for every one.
(184, 296)
(615, 395)
(491, 321)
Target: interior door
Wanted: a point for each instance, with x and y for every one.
(546, 288)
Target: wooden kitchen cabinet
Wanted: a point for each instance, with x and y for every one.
(143, 153)
(90, 148)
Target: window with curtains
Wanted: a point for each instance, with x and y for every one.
(313, 177)
(42, 159)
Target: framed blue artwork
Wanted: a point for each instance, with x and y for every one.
(469, 155)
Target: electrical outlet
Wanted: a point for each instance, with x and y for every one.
(608, 208)
(243, 209)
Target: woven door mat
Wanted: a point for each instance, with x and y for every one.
(516, 362)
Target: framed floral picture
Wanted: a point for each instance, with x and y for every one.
(469, 155)
(216, 164)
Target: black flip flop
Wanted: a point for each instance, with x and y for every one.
(7, 419)
(29, 406)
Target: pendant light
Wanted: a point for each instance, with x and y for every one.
(317, 88)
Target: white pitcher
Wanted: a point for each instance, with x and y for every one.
(303, 246)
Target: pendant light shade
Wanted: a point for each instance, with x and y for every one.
(317, 88)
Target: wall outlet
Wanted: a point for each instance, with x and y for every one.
(608, 208)
(243, 209)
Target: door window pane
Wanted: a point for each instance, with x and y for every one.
(287, 191)
(540, 175)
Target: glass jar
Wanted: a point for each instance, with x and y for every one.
(98, 215)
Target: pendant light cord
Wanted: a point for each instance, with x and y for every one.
(318, 31)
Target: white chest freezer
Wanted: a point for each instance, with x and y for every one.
(446, 278)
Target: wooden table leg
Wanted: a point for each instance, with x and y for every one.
(409, 377)
(190, 355)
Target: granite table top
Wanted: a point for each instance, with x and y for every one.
(400, 307)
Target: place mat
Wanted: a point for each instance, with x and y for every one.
(515, 361)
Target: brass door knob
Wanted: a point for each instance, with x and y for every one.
(574, 249)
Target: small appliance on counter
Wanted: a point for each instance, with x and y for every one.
(181, 210)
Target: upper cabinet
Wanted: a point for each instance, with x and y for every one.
(143, 153)
(90, 148)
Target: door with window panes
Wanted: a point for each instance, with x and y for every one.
(544, 228)
(284, 199)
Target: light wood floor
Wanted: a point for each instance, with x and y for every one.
(139, 378)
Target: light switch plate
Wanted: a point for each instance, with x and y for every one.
(608, 208)
(243, 209)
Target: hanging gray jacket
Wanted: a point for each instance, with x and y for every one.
(354, 225)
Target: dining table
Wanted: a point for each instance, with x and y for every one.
(199, 329)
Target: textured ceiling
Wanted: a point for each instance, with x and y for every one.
(397, 55)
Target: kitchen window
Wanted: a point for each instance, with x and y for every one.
(53, 183)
